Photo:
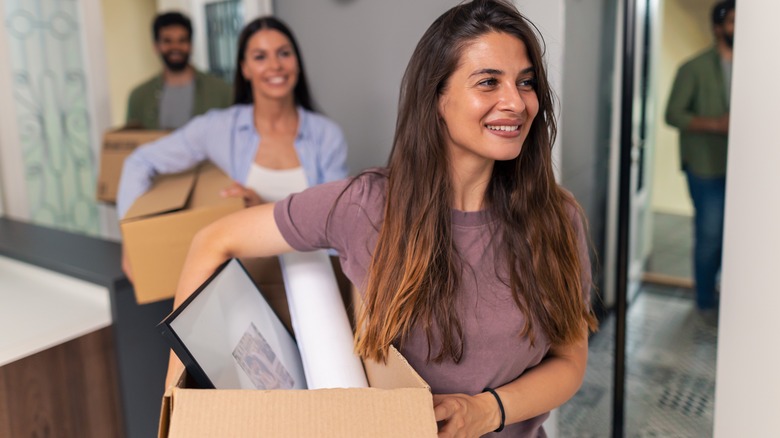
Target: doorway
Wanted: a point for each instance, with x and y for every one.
(685, 31)
(670, 351)
(667, 360)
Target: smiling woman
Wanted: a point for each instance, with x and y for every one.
(471, 260)
(272, 132)
(488, 105)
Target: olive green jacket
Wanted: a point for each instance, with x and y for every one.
(699, 90)
(143, 107)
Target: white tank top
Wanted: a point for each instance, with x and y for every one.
(273, 184)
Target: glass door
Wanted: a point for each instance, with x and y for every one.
(48, 147)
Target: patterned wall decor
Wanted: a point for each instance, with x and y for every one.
(50, 96)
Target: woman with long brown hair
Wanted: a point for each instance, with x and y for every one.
(470, 258)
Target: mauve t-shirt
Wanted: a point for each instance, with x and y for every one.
(347, 217)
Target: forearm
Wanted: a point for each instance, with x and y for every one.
(166, 155)
(251, 232)
(547, 386)
(206, 253)
(134, 181)
(715, 125)
(208, 250)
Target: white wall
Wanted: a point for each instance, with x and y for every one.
(747, 391)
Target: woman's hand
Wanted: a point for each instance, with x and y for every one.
(464, 416)
(237, 190)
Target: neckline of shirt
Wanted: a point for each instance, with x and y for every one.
(470, 218)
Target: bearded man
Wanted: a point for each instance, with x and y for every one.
(170, 99)
(699, 108)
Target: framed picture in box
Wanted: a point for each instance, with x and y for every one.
(228, 337)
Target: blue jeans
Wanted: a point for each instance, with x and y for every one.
(708, 195)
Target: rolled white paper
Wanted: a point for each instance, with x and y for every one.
(320, 322)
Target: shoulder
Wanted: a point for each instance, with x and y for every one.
(363, 194)
(147, 86)
(701, 60)
(369, 186)
(318, 124)
(360, 200)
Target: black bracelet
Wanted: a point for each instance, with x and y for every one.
(500, 407)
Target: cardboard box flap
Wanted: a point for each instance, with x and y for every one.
(171, 194)
(396, 373)
(165, 415)
(327, 413)
(167, 404)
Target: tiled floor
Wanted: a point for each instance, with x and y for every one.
(670, 355)
(670, 372)
(672, 243)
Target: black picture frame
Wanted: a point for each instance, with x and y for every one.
(228, 337)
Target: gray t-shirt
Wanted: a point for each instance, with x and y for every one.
(176, 103)
(493, 353)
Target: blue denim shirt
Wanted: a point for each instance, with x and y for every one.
(227, 137)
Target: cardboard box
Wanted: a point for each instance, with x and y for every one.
(117, 145)
(398, 404)
(159, 226)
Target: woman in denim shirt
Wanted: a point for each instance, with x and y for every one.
(270, 134)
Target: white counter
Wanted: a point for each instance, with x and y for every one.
(40, 309)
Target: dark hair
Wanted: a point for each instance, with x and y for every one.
(720, 10)
(171, 19)
(415, 270)
(242, 88)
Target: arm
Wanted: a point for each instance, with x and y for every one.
(133, 109)
(678, 109)
(716, 125)
(548, 385)
(247, 233)
(176, 152)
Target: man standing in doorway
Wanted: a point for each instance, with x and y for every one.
(699, 108)
(171, 98)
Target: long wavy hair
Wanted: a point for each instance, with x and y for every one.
(415, 271)
(242, 88)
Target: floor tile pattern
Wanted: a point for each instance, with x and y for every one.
(672, 245)
(670, 371)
